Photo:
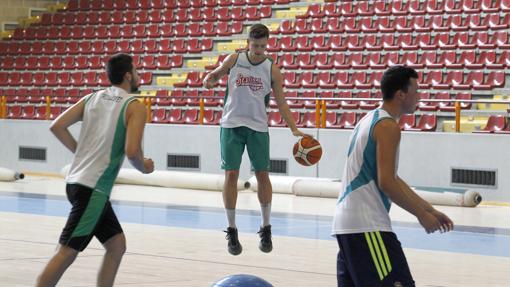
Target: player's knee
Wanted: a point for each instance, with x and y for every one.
(117, 245)
(66, 253)
(262, 176)
(231, 175)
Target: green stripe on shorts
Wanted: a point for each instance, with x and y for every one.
(91, 215)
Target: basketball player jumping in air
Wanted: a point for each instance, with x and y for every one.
(252, 75)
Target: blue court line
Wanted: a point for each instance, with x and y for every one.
(466, 239)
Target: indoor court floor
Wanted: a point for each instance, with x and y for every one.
(175, 238)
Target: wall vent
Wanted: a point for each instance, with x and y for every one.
(278, 166)
(474, 177)
(32, 153)
(181, 161)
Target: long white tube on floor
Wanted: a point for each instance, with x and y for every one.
(467, 199)
(174, 179)
(285, 184)
(10, 175)
(330, 189)
(299, 186)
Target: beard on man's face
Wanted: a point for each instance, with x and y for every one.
(134, 86)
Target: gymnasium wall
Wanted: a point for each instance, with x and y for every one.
(425, 158)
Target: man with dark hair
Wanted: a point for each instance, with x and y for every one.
(370, 253)
(113, 124)
(252, 75)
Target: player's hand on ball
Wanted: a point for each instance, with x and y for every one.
(299, 133)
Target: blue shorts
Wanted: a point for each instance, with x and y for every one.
(372, 259)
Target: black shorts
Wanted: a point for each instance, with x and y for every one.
(372, 259)
(91, 215)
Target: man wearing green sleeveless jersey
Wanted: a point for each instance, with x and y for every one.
(112, 127)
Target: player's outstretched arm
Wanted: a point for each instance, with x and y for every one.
(387, 137)
(446, 222)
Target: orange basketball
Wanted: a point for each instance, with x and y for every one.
(307, 151)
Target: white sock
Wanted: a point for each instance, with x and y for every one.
(266, 213)
(231, 217)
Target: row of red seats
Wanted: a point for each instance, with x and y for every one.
(29, 95)
(179, 46)
(303, 120)
(413, 7)
(443, 106)
(160, 62)
(156, 16)
(496, 124)
(347, 120)
(437, 23)
(469, 59)
(370, 104)
(215, 98)
(129, 31)
(99, 5)
(188, 98)
(447, 59)
(32, 112)
(391, 42)
(90, 78)
(426, 123)
(191, 116)
(434, 79)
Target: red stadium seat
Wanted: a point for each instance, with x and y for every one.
(407, 121)
(427, 123)
(495, 123)
(275, 119)
(191, 117)
(301, 26)
(400, 7)
(346, 120)
(155, 17)
(14, 112)
(159, 116)
(343, 80)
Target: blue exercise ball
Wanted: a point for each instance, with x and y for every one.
(242, 280)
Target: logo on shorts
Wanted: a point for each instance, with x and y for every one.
(253, 83)
(397, 284)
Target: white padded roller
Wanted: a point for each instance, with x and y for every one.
(10, 175)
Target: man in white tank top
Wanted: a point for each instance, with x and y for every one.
(112, 126)
(370, 253)
(252, 76)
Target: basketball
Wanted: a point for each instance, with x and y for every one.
(307, 151)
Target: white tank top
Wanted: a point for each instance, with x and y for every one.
(247, 95)
(100, 151)
(361, 205)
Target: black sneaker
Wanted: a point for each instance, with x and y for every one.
(234, 246)
(265, 245)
